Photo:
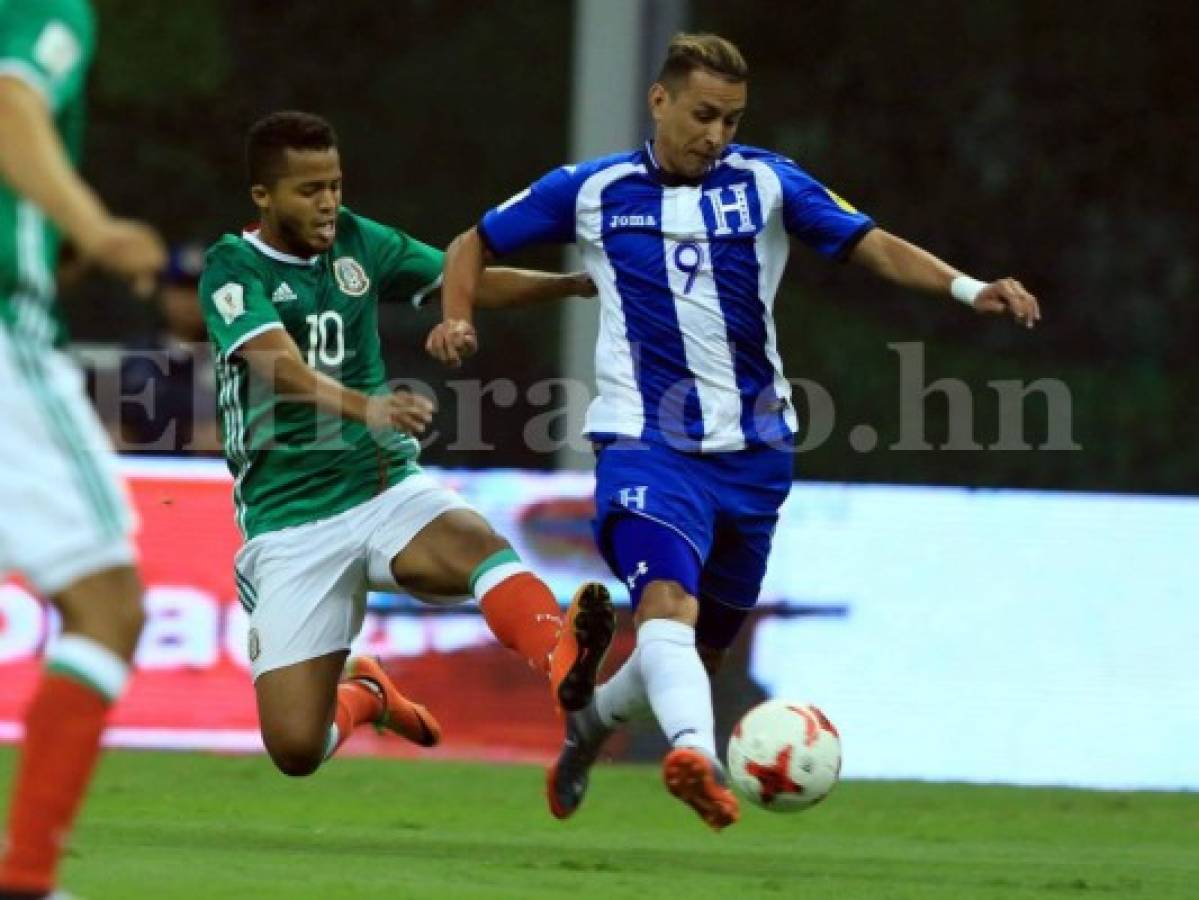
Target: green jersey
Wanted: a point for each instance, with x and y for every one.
(292, 463)
(48, 44)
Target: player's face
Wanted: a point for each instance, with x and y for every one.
(300, 209)
(693, 126)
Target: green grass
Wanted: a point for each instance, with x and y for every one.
(197, 826)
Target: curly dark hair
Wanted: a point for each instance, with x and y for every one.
(272, 135)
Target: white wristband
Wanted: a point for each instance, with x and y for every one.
(966, 289)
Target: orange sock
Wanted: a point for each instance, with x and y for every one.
(63, 725)
(357, 704)
(519, 608)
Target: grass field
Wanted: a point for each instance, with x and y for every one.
(198, 826)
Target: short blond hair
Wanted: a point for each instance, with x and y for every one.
(710, 52)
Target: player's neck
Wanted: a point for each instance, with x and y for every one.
(667, 174)
(275, 238)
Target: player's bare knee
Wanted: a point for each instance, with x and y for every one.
(665, 599)
(295, 755)
(296, 765)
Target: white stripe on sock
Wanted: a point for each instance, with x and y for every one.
(331, 740)
(492, 578)
(92, 661)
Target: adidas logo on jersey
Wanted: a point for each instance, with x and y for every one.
(283, 293)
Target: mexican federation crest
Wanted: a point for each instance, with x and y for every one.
(350, 275)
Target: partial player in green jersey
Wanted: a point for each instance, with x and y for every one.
(326, 485)
(67, 523)
(46, 47)
(295, 462)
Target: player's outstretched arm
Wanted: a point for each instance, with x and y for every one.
(500, 288)
(905, 264)
(34, 163)
(469, 284)
(275, 359)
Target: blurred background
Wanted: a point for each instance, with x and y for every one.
(1017, 137)
(1030, 138)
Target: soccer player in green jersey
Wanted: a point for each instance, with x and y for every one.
(67, 524)
(327, 489)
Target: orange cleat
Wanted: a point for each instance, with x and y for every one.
(699, 781)
(400, 715)
(586, 634)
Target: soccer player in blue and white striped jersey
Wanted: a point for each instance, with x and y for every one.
(686, 240)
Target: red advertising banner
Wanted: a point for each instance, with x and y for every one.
(192, 687)
(861, 612)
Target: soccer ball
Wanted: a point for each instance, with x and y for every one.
(784, 756)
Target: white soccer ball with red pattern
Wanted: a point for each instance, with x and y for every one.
(784, 756)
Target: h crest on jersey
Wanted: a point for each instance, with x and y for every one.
(351, 277)
(729, 210)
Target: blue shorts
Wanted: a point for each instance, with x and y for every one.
(723, 505)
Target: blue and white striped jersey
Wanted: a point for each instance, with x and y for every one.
(687, 274)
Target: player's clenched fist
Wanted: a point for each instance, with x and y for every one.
(452, 341)
(401, 411)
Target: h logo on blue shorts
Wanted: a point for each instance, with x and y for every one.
(634, 497)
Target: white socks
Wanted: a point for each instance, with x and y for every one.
(665, 670)
(622, 697)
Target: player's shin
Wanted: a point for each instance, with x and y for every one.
(63, 725)
(677, 684)
(519, 608)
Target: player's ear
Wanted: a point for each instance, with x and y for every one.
(658, 98)
(261, 196)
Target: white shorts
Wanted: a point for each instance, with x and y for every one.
(65, 512)
(305, 587)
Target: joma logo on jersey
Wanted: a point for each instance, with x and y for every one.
(632, 222)
(730, 201)
(351, 277)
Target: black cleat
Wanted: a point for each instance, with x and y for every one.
(566, 780)
(586, 635)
